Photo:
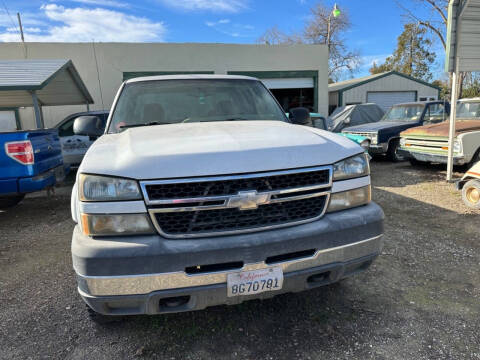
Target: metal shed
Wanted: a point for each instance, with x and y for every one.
(384, 89)
(41, 82)
(463, 54)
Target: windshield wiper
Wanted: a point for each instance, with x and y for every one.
(144, 124)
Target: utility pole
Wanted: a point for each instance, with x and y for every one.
(21, 35)
(20, 26)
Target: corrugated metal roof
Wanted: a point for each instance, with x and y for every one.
(463, 35)
(28, 73)
(348, 84)
(352, 82)
(56, 82)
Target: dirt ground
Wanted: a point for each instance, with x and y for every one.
(420, 299)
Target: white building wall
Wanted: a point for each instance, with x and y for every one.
(388, 83)
(116, 58)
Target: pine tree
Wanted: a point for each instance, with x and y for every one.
(412, 55)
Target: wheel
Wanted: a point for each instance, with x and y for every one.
(471, 194)
(100, 318)
(392, 152)
(10, 201)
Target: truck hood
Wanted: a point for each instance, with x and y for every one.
(381, 125)
(213, 148)
(442, 129)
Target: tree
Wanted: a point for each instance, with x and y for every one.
(341, 59)
(317, 31)
(275, 36)
(412, 55)
(437, 20)
(377, 69)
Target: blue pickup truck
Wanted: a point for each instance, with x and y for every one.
(29, 161)
(385, 134)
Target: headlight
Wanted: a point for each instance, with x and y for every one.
(353, 167)
(351, 198)
(103, 188)
(121, 224)
(457, 146)
(374, 139)
(402, 141)
(365, 144)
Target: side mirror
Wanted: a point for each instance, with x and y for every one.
(91, 126)
(300, 116)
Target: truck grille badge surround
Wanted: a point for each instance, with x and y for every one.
(223, 205)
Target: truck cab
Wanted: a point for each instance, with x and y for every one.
(385, 134)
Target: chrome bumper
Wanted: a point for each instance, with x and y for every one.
(435, 158)
(147, 283)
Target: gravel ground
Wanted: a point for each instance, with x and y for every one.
(420, 299)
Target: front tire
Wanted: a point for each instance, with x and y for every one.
(392, 152)
(471, 194)
(10, 201)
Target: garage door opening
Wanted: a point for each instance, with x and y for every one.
(292, 92)
(290, 98)
(386, 99)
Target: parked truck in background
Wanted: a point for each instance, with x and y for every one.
(430, 143)
(201, 192)
(30, 161)
(385, 135)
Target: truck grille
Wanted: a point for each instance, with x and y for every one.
(233, 186)
(187, 208)
(364, 134)
(434, 145)
(200, 222)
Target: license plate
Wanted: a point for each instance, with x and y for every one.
(254, 282)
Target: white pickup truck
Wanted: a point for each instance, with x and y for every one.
(201, 192)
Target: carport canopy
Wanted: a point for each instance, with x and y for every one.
(39, 83)
(463, 54)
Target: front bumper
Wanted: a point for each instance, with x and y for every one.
(434, 158)
(131, 275)
(378, 149)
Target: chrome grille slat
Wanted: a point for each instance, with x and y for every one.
(304, 199)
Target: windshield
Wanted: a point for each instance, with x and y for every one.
(468, 110)
(404, 113)
(197, 100)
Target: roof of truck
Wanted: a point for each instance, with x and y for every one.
(190, 77)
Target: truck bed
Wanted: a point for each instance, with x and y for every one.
(16, 177)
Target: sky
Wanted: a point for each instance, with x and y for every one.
(375, 24)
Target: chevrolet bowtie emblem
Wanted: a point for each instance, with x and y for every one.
(248, 200)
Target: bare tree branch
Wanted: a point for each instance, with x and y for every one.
(440, 11)
(426, 23)
(436, 31)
